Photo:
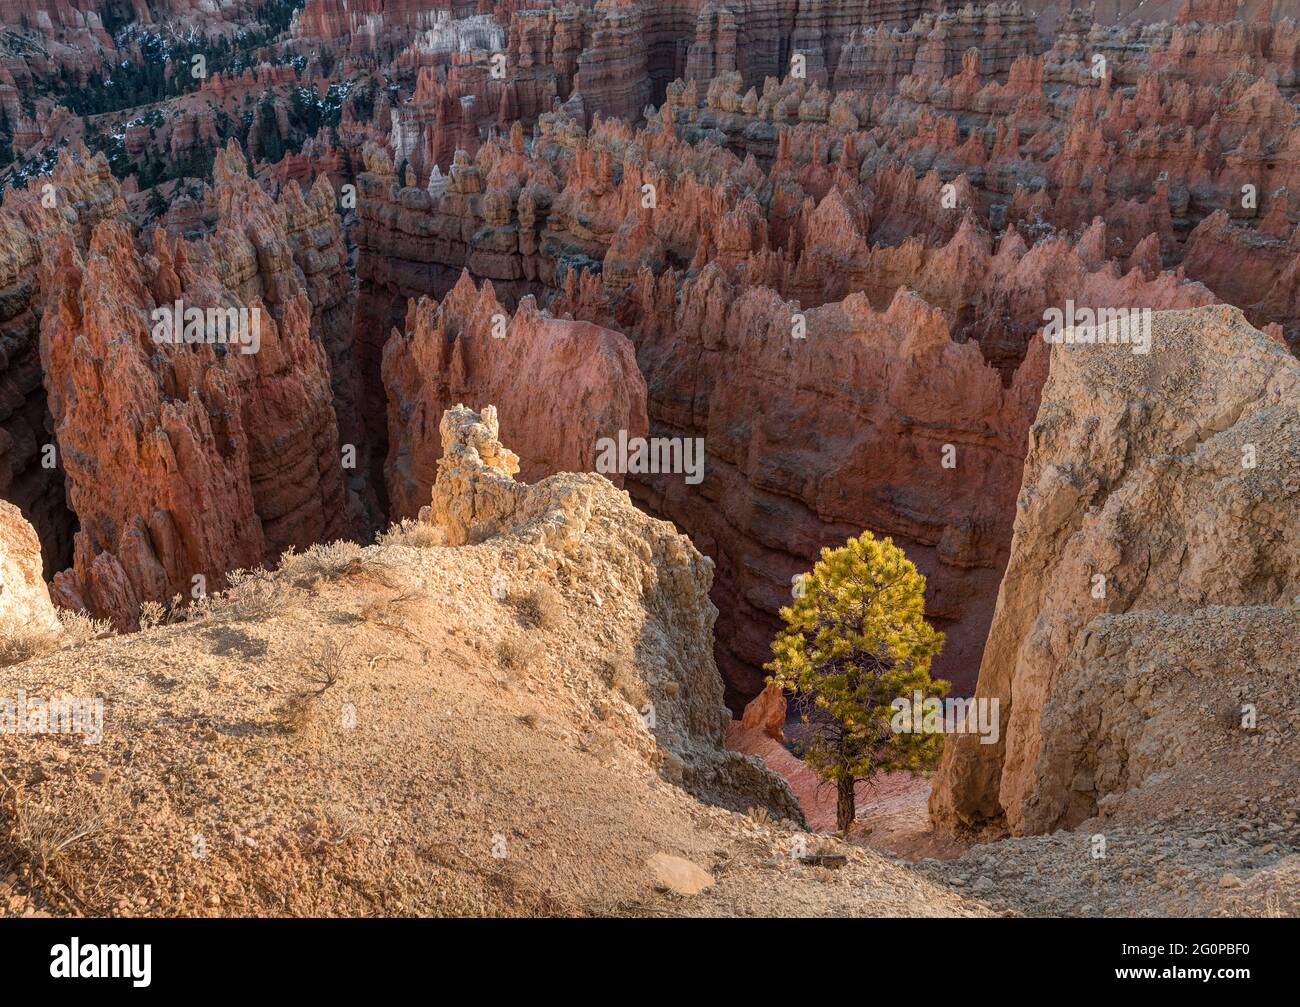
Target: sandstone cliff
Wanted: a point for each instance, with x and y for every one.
(190, 460)
(83, 193)
(1139, 646)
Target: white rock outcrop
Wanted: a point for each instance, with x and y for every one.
(1150, 601)
(24, 601)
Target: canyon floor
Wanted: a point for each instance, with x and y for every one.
(1164, 868)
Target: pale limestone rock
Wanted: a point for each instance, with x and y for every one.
(24, 602)
(581, 524)
(678, 874)
(1175, 476)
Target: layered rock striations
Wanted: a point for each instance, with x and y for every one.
(723, 250)
(153, 440)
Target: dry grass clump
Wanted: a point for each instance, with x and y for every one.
(516, 654)
(416, 534)
(381, 610)
(332, 561)
(26, 642)
(541, 607)
(620, 676)
(261, 593)
(387, 612)
(297, 712)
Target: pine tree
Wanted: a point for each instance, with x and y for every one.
(156, 204)
(855, 641)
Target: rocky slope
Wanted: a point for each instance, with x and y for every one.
(412, 738)
(528, 722)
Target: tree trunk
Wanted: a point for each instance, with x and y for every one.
(845, 805)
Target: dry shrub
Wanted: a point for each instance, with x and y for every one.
(541, 607)
(329, 666)
(299, 709)
(78, 627)
(39, 840)
(415, 534)
(621, 676)
(153, 613)
(26, 642)
(380, 609)
(332, 561)
(249, 594)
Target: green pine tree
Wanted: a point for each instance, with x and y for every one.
(156, 204)
(855, 641)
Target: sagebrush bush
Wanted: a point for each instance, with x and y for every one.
(541, 607)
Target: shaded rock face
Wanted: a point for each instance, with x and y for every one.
(558, 386)
(315, 237)
(24, 601)
(31, 469)
(186, 461)
(1154, 568)
(580, 517)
